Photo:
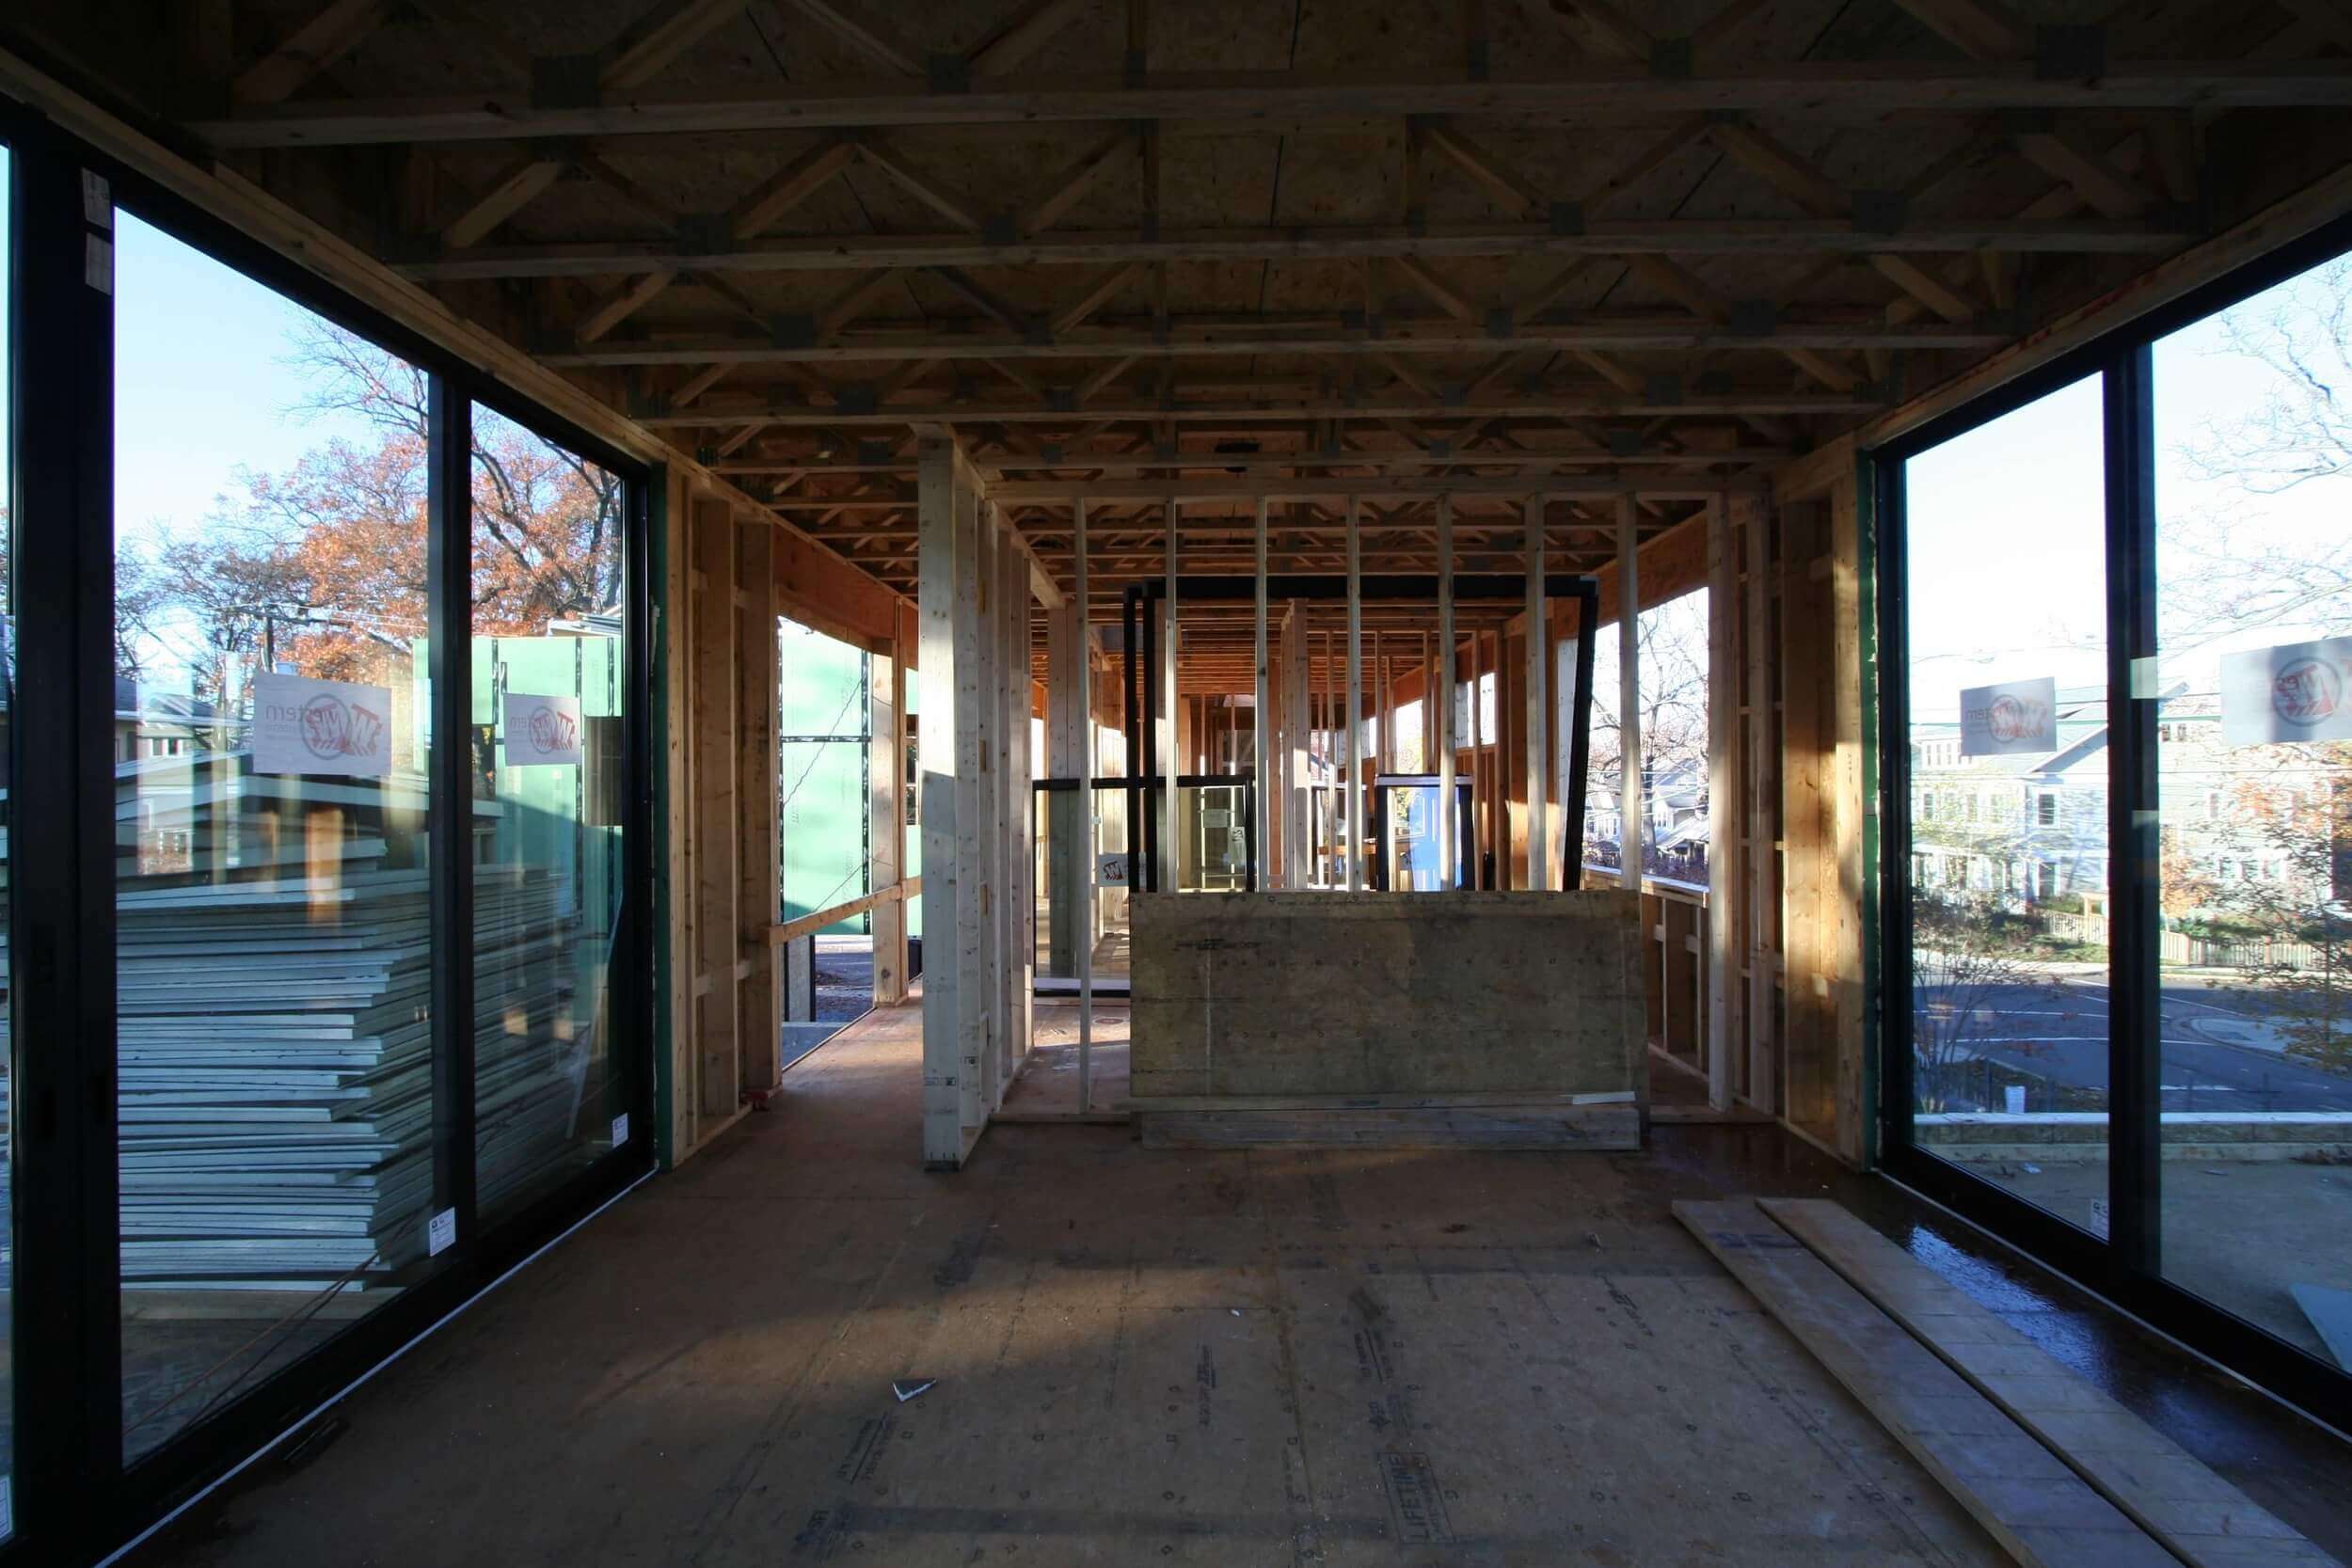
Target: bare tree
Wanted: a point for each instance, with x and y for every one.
(1671, 639)
(2231, 568)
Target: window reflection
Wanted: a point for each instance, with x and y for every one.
(271, 741)
(2254, 780)
(2005, 643)
(550, 674)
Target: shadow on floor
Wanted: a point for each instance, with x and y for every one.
(1249, 1356)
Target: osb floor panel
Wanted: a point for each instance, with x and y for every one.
(1220, 1358)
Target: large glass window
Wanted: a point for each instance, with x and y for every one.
(275, 945)
(2253, 472)
(550, 678)
(2006, 652)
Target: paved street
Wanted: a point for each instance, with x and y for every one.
(2219, 1054)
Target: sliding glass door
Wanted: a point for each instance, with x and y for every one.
(2254, 594)
(325, 991)
(2117, 726)
(2005, 654)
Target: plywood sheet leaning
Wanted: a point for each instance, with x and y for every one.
(2042, 1512)
(1513, 998)
(2166, 1490)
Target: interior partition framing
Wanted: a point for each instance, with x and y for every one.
(2125, 1265)
(74, 1494)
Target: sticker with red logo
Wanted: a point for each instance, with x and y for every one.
(2011, 719)
(310, 726)
(543, 732)
(2296, 691)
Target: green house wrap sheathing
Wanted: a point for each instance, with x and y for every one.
(824, 724)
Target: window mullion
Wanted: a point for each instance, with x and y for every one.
(2134, 1054)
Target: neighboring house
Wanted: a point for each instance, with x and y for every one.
(2032, 830)
(161, 723)
(2029, 829)
(1673, 796)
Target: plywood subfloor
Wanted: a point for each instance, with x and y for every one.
(1047, 1087)
(1253, 1358)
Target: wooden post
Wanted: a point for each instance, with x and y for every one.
(980, 837)
(1351, 718)
(1633, 836)
(1759, 886)
(1067, 681)
(1449, 854)
(885, 817)
(953, 875)
(717, 1031)
(1538, 704)
(759, 901)
(1259, 764)
(1299, 726)
(1086, 814)
(1016, 857)
(1722, 791)
(1169, 857)
(683, 949)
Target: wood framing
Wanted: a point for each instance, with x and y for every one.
(712, 727)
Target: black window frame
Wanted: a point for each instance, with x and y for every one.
(2126, 1267)
(75, 1497)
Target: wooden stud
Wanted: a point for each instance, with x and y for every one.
(759, 901)
(1351, 716)
(1539, 876)
(1632, 836)
(1722, 790)
(954, 1024)
(716, 706)
(1758, 878)
(1449, 854)
(1170, 654)
(1078, 608)
(1261, 762)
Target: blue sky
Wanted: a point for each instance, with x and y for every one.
(202, 389)
(201, 383)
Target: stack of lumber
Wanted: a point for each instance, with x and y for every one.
(276, 1043)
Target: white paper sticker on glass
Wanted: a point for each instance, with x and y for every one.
(2296, 691)
(542, 731)
(2012, 718)
(306, 726)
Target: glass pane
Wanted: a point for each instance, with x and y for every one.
(7, 1028)
(2254, 784)
(550, 792)
(1213, 839)
(271, 710)
(2006, 652)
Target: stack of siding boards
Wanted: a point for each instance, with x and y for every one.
(276, 1043)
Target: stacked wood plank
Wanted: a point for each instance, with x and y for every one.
(276, 1044)
(2055, 1471)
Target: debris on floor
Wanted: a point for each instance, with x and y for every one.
(908, 1387)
